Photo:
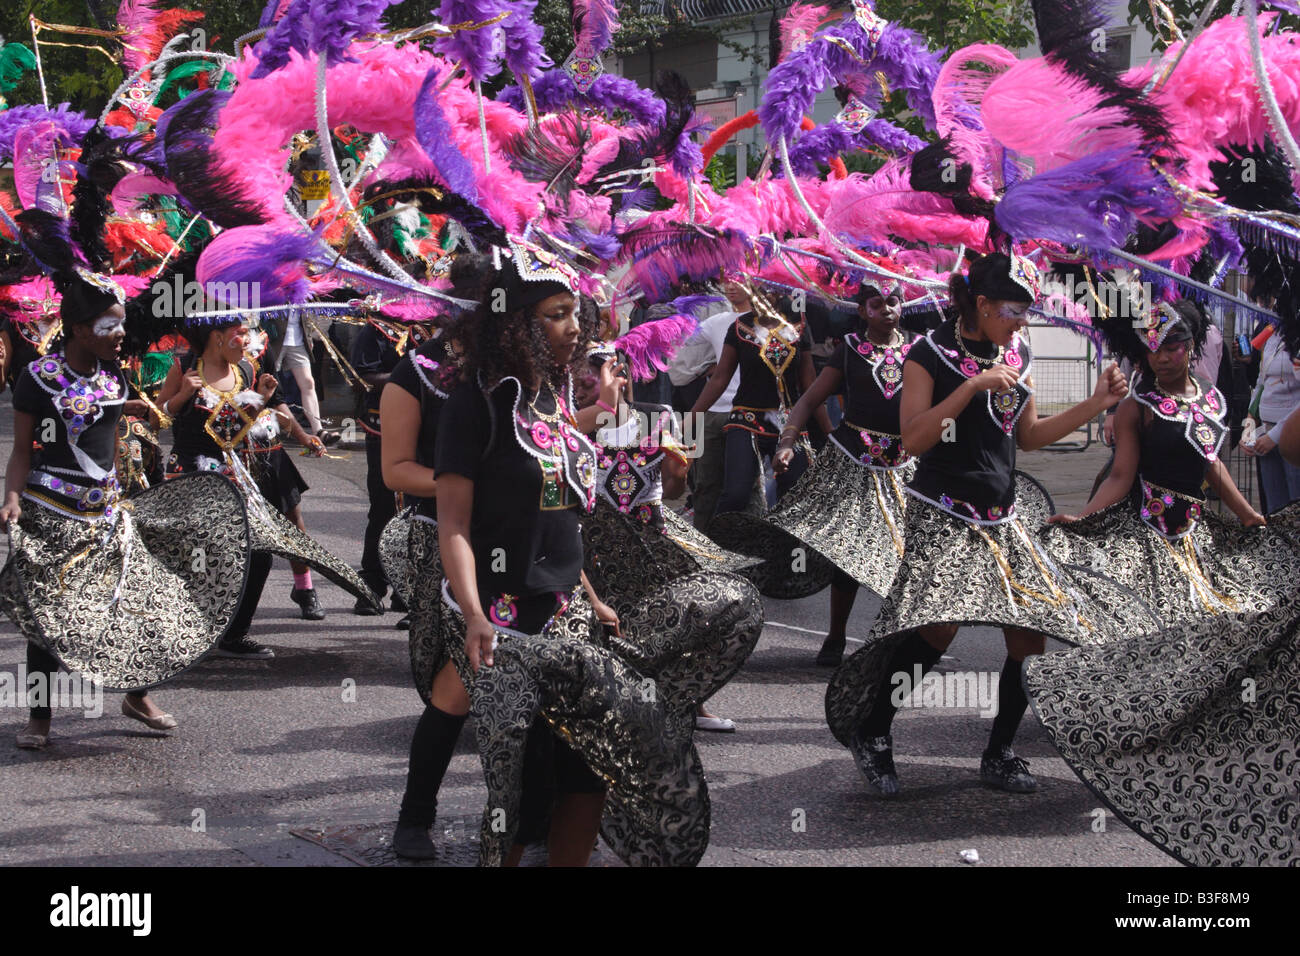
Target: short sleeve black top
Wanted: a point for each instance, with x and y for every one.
(425, 374)
(1183, 438)
(972, 474)
(374, 351)
(534, 474)
(873, 381)
(766, 358)
(81, 411)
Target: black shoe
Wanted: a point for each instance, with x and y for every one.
(310, 604)
(328, 437)
(397, 604)
(1007, 772)
(831, 653)
(365, 608)
(411, 842)
(242, 648)
(875, 758)
(404, 623)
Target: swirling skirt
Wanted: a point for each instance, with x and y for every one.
(392, 553)
(428, 651)
(784, 567)
(955, 573)
(1220, 567)
(706, 554)
(850, 514)
(625, 725)
(136, 600)
(1188, 734)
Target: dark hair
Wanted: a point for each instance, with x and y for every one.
(509, 341)
(1125, 340)
(82, 302)
(197, 334)
(989, 276)
(867, 292)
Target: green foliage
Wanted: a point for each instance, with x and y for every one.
(721, 171)
(1185, 13)
(952, 24)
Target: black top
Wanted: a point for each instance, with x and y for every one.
(189, 421)
(425, 374)
(72, 410)
(533, 475)
(631, 459)
(374, 351)
(873, 394)
(1183, 438)
(973, 474)
(761, 365)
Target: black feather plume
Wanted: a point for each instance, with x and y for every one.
(542, 157)
(199, 177)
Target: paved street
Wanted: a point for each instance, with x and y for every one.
(264, 749)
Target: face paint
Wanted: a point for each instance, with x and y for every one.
(1013, 311)
(107, 325)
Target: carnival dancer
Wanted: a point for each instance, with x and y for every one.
(514, 471)
(968, 557)
(1148, 524)
(652, 573)
(109, 588)
(226, 419)
(849, 506)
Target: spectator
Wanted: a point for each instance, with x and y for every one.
(1277, 395)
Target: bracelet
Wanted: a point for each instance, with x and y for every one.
(600, 403)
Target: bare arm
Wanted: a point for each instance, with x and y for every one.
(718, 381)
(400, 418)
(674, 475)
(923, 424)
(20, 465)
(1227, 490)
(808, 377)
(613, 379)
(1128, 450)
(455, 506)
(604, 613)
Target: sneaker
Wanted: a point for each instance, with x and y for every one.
(397, 604)
(1007, 772)
(875, 759)
(831, 653)
(365, 609)
(244, 648)
(411, 842)
(403, 623)
(310, 604)
(719, 725)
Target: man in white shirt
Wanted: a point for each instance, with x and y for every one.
(696, 357)
(295, 356)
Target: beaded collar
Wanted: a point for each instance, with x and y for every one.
(80, 401)
(776, 348)
(564, 453)
(886, 361)
(631, 463)
(1201, 415)
(1005, 407)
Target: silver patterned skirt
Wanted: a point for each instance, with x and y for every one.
(1188, 734)
(132, 601)
(393, 553)
(1219, 567)
(955, 572)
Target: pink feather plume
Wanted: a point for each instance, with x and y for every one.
(799, 24)
(651, 345)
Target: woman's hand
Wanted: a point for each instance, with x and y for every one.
(479, 636)
(1263, 445)
(315, 447)
(136, 408)
(606, 615)
(781, 460)
(999, 378)
(1111, 387)
(11, 511)
(613, 380)
(266, 385)
(1063, 519)
(1108, 431)
(191, 382)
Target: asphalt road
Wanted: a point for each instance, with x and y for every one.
(267, 748)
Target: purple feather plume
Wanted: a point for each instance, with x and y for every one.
(601, 245)
(660, 256)
(819, 144)
(324, 27)
(72, 126)
(690, 304)
(271, 261)
(479, 50)
(792, 86)
(555, 91)
(651, 345)
(524, 53)
(434, 134)
(1092, 202)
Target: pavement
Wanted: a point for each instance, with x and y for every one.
(302, 760)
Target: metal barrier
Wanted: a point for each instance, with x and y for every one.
(1061, 382)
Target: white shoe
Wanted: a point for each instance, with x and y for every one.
(719, 725)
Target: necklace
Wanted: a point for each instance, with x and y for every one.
(1189, 399)
(226, 400)
(896, 339)
(554, 417)
(990, 362)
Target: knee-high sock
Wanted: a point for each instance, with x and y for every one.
(431, 750)
(1012, 704)
(912, 650)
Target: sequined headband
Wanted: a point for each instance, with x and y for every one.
(1026, 275)
(103, 284)
(1160, 321)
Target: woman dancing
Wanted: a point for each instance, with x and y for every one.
(968, 559)
(127, 593)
